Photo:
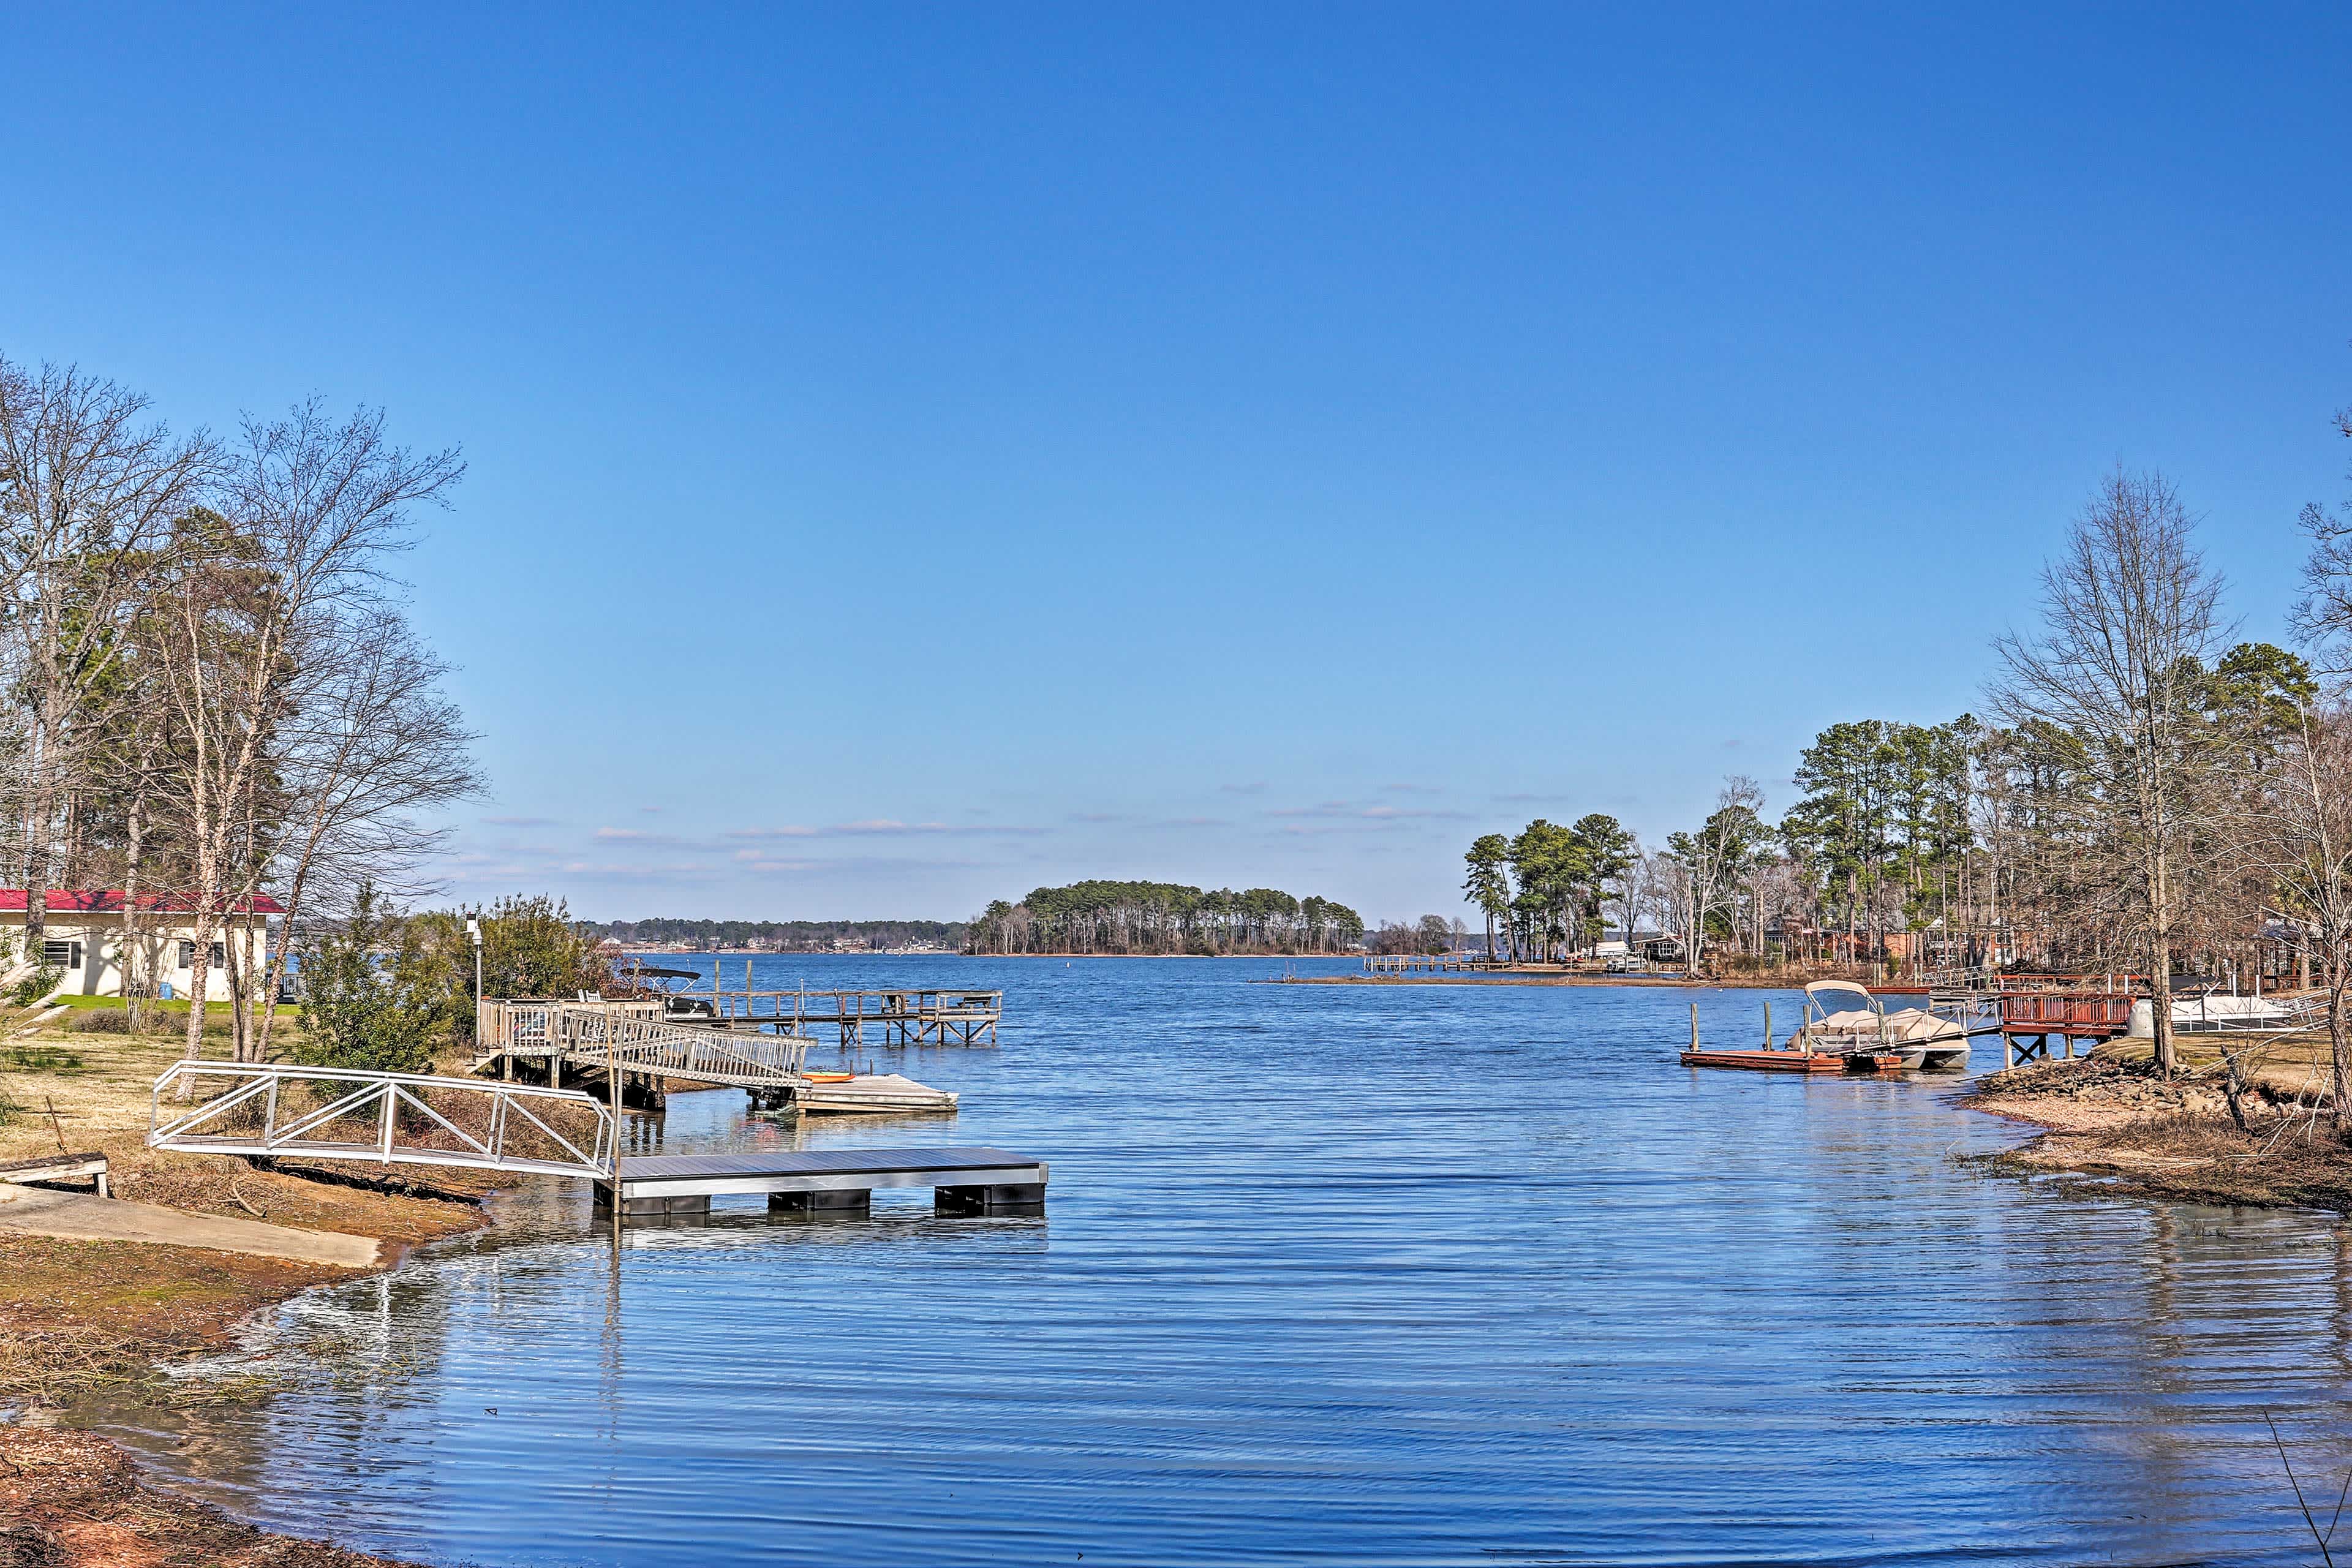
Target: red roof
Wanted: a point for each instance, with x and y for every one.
(108, 901)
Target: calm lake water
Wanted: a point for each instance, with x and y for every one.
(1408, 1274)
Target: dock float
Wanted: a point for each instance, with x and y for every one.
(829, 1182)
(887, 1093)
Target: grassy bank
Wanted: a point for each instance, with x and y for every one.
(84, 1318)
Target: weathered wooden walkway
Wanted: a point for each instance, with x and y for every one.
(636, 1038)
(913, 1018)
(837, 1182)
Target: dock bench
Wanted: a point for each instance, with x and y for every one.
(59, 1168)
(830, 1182)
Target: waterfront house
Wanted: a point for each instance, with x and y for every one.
(83, 937)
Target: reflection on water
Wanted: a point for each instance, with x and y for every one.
(1409, 1274)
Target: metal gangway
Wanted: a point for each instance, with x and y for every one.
(635, 1038)
(278, 1110)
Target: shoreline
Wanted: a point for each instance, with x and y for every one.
(84, 1320)
(1657, 982)
(78, 1318)
(2110, 1126)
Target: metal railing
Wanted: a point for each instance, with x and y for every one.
(388, 1118)
(634, 1036)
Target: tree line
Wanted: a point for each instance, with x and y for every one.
(1163, 918)
(779, 936)
(212, 688)
(2146, 794)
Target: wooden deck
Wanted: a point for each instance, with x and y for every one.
(888, 1017)
(830, 1181)
(2029, 1021)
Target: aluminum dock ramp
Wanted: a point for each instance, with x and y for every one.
(829, 1182)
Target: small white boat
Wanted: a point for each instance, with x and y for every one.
(2223, 1014)
(1843, 1018)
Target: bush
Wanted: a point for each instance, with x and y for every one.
(100, 1021)
(372, 994)
(531, 947)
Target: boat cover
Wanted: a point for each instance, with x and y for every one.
(1905, 1025)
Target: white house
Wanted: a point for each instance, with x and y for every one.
(83, 937)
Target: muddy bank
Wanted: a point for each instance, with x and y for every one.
(2111, 1121)
(81, 1319)
(67, 1500)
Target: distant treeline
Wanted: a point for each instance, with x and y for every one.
(782, 936)
(1154, 918)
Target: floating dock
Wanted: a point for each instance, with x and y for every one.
(868, 1093)
(829, 1182)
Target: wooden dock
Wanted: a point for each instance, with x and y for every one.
(829, 1182)
(894, 1017)
(2029, 1021)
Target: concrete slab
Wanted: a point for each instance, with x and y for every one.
(78, 1216)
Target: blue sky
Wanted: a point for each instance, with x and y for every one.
(917, 454)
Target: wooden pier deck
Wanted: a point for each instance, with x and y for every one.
(895, 1017)
(2029, 1021)
(829, 1182)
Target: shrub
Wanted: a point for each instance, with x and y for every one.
(100, 1021)
(531, 947)
(371, 993)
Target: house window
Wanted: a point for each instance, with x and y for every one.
(218, 958)
(61, 955)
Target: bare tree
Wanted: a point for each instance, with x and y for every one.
(2324, 618)
(369, 744)
(2131, 619)
(1636, 889)
(273, 612)
(1718, 855)
(88, 492)
(2305, 846)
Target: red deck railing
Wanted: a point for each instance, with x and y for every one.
(2065, 1013)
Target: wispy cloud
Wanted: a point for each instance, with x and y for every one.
(517, 821)
(1196, 822)
(789, 831)
(1350, 811)
(633, 836)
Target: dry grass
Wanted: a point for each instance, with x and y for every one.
(2112, 1118)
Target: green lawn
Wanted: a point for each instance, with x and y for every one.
(177, 1005)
